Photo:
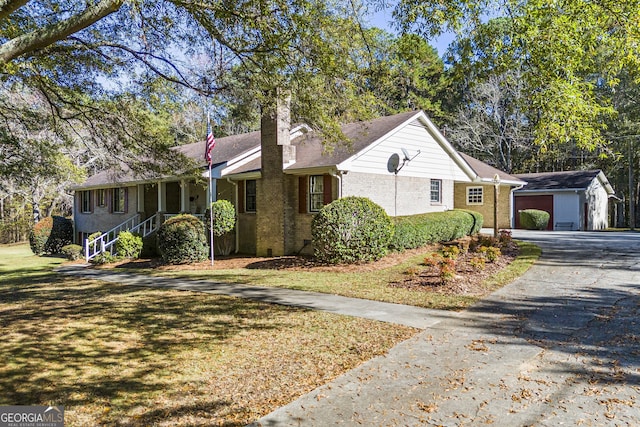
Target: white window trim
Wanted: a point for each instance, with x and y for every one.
(481, 188)
(439, 201)
(321, 193)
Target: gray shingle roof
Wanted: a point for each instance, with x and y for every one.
(573, 180)
(486, 172)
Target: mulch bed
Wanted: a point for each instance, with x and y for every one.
(468, 279)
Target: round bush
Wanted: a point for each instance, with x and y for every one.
(182, 239)
(72, 252)
(224, 217)
(350, 230)
(50, 234)
(40, 234)
(534, 219)
(128, 245)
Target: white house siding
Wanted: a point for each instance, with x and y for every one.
(598, 200)
(566, 209)
(412, 197)
(101, 219)
(432, 162)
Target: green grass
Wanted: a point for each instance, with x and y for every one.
(120, 355)
(373, 285)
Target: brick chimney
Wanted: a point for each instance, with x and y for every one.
(276, 192)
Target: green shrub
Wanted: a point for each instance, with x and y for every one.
(350, 230)
(61, 235)
(182, 239)
(39, 235)
(416, 231)
(150, 246)
(224, 217)
(128, 245)
(534, 219)
(50, 234)
(103, 258)
(72, 252)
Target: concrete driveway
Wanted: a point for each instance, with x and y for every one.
(559, 346)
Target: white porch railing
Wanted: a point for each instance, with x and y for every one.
(147, 226)
(169, 215)
(105, 241)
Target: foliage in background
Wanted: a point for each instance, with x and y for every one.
(182, 239)
(534, 219)
(350, 230)
(415, 231)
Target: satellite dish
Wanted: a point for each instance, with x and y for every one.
(393, 163)
(407, 157)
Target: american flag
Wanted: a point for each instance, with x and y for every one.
(211, 142)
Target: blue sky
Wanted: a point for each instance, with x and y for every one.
(382, 19)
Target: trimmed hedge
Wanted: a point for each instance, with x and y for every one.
(182, 239)
(534, 219)
(350, 230)
(50, 234)
(415, 231)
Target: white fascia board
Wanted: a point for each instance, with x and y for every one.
(559, 190)
(244, 176)
(319, 170)
(606, 184)
(504, 182)
(234, 164)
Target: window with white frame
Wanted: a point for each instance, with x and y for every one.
(316, 193)
(436, 191)
(119, 200)
(85, 201)
(475, 196)
(250, 195)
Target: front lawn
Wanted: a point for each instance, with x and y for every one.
(121, 355)
(375, 281)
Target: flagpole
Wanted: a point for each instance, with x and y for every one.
(210, 198)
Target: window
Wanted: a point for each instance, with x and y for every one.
(436, 191)
(316, 193)
(474, 196)
(250, 195)
(101, 197)
(85, 201)
(119, 200)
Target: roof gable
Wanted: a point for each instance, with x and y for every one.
(373, 142)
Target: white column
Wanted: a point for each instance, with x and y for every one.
(162, 199)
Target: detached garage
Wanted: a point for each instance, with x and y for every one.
(575, 200)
